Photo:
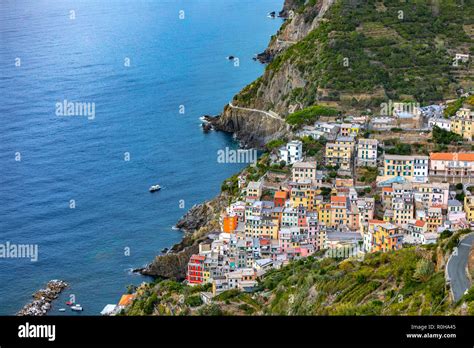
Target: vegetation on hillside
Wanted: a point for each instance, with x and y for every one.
(312, 147)
(365, 52)
(442, 136)
(409, 281)
(310, 115)
(453, 107)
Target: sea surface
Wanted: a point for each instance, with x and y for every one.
(77, 186)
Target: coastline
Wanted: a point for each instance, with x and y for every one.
(202, 219)
(199, 221)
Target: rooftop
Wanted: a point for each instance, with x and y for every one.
(454, 203)
(311, 165)
(452, 156)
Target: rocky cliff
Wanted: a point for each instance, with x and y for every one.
(197, 223)
(254, 128)
(251, 128)
(300, 20)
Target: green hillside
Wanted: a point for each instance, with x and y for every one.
(364, 52)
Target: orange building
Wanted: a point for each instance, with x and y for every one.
(280, 198)
(230, 223)
(452, 165)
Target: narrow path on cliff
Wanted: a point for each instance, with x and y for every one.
(270, 113)
(286, 42)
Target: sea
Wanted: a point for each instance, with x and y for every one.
(99, 100)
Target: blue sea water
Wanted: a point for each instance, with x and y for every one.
(173, 62)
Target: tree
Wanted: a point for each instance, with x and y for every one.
(442, 136)
(423, 271)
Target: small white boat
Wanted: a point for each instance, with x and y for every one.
(155, 188)
(77, 308)
(62, 309)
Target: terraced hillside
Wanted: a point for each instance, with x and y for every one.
(361, 53)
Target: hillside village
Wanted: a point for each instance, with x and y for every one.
(353, 197)
(349, 207)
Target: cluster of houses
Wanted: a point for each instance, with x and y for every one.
(405, 116)
(259, 233)
(412, 201)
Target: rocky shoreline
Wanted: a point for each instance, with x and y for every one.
(43, 298)
(252, 130)
(201, 220)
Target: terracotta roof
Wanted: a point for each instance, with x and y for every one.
(281, 194)
(125, 300)
(419, 223)
(375, 221)
(198, 257)
(449, 156)
(387, 189)
(338, 199)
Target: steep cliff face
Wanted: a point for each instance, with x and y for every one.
(301, 20)
(255, 128)
(171, 266)
(251, 128)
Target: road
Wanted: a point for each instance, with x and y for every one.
(271, 114)
(456, 268)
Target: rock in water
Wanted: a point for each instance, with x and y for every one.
(43, 298)
(206, 127)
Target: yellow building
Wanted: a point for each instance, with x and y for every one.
(257, 227)
(347, 129)
(434, 219)
(339, 155)
(387, 238)
(206, 277)
(303, 194)
(298, 198)
(469, 208)
(403, 211)
(324, 214)
(339, 211)
(462, 124)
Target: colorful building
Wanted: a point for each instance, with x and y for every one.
(304, 171)
(230, 223)
(410, 168)
(280, 198)
(339, 155)
(367, 152)
(195, 274)
(463, 123)
(469, 208)
(387, 238)
(452, 165)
